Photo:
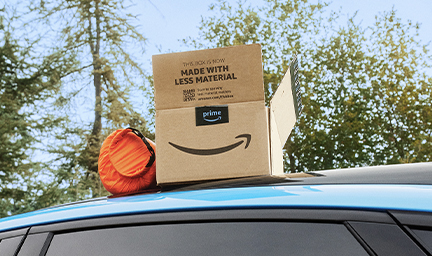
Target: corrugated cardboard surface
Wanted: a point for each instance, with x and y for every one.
(283, 107)
(178, 127)
(282, 120)
(189, 149)
(208, 77)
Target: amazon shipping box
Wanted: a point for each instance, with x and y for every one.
(211, 119)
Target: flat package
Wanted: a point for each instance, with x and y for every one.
(211, 119)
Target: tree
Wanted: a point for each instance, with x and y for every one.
(365, 91)
(402, 90)
(96, 34)
(25, 82)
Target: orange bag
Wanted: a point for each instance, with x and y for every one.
(127, 162)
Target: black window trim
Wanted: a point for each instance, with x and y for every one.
(412, 218)
(340, 216)
(408, 220)
(13, 233)
(16, 233)
(309, 215)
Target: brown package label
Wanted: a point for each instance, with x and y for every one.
(208, 77)
(186, 152)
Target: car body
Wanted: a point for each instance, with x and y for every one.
(385, 210)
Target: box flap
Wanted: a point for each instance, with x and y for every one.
(285, 106)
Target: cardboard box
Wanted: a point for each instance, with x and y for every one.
(211, 119)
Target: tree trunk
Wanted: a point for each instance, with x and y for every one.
(95, 141)
(289, 149)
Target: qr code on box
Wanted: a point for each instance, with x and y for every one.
(188, 95)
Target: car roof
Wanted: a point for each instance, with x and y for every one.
(358, 192)
(414, 174)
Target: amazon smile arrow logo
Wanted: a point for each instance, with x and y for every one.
(213, 120)
(214, 151)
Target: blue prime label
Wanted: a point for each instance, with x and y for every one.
(210, 115)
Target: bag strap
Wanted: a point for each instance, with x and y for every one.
(150, 149)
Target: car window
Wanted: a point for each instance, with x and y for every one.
(245, 238)
(419, 224)
(9, 246)
(386, 239)
(425, 236)
(35, 243)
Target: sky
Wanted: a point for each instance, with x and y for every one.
(164, 23)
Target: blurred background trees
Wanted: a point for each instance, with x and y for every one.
(85, 70)
(366, 94)
(26, 81)
(69, 76)
(98, 36)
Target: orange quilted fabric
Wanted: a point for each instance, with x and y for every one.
(122, 163)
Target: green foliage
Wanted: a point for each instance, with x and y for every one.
(96, 34)
(24, 84)
(71, 59)
(366, 96)
(402, 90)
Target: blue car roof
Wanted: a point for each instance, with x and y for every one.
(379, 197)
